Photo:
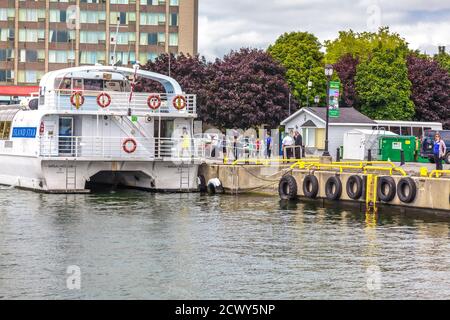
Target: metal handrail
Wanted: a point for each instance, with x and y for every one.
(357, 166)
(116, 147)
(120, 102)
(439, 173)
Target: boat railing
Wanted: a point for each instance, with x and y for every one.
(124, 148)
(121, 102)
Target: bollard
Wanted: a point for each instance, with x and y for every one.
(402, 158)
(303, 150)
(369, 155)
(338, 155)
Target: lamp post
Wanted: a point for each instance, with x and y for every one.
(328, 74)
(316, 100)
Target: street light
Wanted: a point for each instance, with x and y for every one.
(316, 100)
(328, 74)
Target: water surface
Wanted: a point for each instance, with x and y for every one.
(137, 245)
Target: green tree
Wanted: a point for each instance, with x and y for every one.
(444, 60)
(361, 45)
(299, 53)
(383, 86)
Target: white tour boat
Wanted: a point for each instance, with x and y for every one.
(86, 125)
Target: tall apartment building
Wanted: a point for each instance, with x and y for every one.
(37, 36)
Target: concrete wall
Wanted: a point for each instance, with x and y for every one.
(431, 193)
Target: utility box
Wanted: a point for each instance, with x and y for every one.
(391, 147)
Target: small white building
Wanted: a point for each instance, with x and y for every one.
(311, 123)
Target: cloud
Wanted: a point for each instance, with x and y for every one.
(232, 24)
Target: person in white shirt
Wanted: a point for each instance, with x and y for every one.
(288, 141)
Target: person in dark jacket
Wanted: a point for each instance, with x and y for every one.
(298, 145)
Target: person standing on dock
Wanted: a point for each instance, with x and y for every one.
(439, 151)
(288, 143)
(268, 145)
(298, 145)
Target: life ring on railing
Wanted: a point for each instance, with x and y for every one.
(154, 102)
(311, 186)
(179, 102)
(77, 99)
(287, 188)
(129, 148)
(333, 188)
(352, 192)
(406, 190)
(386, 189)
(104, 100)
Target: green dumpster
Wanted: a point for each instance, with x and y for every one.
(391, 147)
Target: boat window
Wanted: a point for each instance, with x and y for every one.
(5, 130)
(113, 86)
(93, 84)
(78, 84)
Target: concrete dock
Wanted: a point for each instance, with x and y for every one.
(433, 194)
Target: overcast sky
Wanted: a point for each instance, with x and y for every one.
(231, 24)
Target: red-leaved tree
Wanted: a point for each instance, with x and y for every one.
(245, 89)
(346, 71)
(430, 90)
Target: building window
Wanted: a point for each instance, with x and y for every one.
(5, 13)
(147, 56)
(125, 57)
(6, 75)
(173, 39)
(153, 19)
(28, 35)
(58, 16)
(174, 19)
(6, 34)
(6, 54)
(119, 1)
(61, 36)
(29, 76)
(92, 37)
(59, 56)
(153, 2)
(92, 57)
(174, 2)
(149, 39)
(32, 55)
(92, 16)
(31, 15)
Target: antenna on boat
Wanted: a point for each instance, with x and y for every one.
(113, 57)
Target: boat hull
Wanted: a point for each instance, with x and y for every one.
(73, 176)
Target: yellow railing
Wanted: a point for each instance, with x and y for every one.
(352, 165)
(310, 163)
(271, 161)
(439, 173)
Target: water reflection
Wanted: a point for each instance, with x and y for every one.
(132, 244)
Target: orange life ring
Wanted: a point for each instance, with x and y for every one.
(104, 100)
(126, 148)
(179, 102)
(154, 102)
(74, 99)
